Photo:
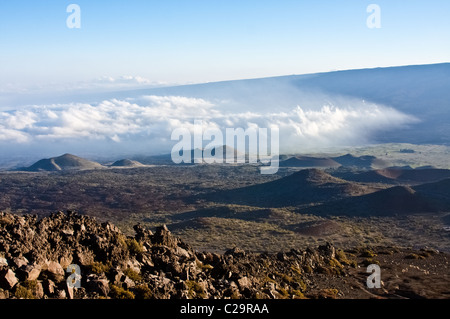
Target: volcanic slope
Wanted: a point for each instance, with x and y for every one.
(126, 163)
(394, 201)
(363, 162)
(307, 161)
(396, 175)
(303, 187)
(62, 163)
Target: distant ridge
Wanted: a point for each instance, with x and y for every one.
(438, 193)
(62, 163)
(397, 200)
(366, 162)
(206, 153)
(303, 187)
(307, 161)
(348, 160)
(394, 175)
(126, 163)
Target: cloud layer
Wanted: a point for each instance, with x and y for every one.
(137, 124)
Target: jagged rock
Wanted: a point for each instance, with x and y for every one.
(244, 283)
(212, 258)
(29, 272)
(49, 287)
(182, 252)
(8, 279)
(134, 265)
(164, 237)
(142, 234)
(328, 250)
(68, 232)
(56, 271)
(38, 290)
(272, 290)
(60, 294)
(20, 261)
(3, 262)
(235, 252)
(111, 227)
(117, 276)
(127, 283)
(146, 260)
(80, 228)
(160, 261)
(232, 290)
(98, 285)
(4, 294)
(65, 261)
(85, 257)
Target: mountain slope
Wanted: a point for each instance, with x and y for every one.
(303, 187)
(63, 162)
(126, 163)
(396, 175)
(307, 161)
(419, 90)
(314, 273)
(397, 200)
(438, 193)
(365, 162)
(206, 153)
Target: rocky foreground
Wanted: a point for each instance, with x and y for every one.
(67, 256)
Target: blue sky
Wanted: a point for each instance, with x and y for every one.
(180, 41)
(52, 77)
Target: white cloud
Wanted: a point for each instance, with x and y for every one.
(12, 136)
(150, 120)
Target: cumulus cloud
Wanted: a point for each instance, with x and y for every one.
(150, 120)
